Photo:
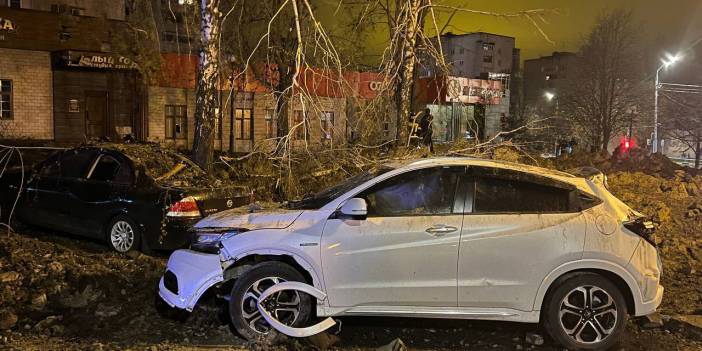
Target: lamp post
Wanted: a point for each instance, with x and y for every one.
(666, 63)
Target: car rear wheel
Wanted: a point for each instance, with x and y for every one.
(586, 312)
(292, 308)
(122, 234)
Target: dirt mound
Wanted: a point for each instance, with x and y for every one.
(56, 286)
(674, 204)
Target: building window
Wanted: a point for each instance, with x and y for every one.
(463, 50)
(327, 120)
(488, 46)
(271, 124)
(461, 63)
(11, 3)
(176, 122)
(298, 124)
(244, 121)
(77, 11)
(487, 58)
(5, 99)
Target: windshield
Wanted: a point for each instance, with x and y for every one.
(316, 201)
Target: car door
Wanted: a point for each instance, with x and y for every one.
(41, 192)
(518, 228)
(75, 164)
(49, 194)
(405, 252)
(100, 195)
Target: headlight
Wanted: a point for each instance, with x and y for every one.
(208, 241)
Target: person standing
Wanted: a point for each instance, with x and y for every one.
(426, 131)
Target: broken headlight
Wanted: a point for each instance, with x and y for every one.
(209, 241)
(643, 228)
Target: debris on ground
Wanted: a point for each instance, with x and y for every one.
(651, 321)
(690, 325)
(395, 345)
(534, 339)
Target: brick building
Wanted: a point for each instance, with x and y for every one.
(59, 79)
(26, 96)
(323, 120)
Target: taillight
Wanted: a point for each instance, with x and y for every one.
(643, 228)
(187, 207)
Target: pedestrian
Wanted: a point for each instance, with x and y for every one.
(426, 131)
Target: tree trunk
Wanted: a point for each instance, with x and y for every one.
(414, 18)
(282, 100)
(698, 148)
(206, 91)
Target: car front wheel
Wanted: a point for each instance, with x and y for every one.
(586, 312)
(292, 308)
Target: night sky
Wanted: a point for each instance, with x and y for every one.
(667, 24)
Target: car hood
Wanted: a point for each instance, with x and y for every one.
(263, 220)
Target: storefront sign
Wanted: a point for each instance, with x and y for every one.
(375, 86)
(105, 61)
(474, 91)
(6, 25)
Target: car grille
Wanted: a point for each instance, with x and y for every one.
(170, 282)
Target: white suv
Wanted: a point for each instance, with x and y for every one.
(437, 238)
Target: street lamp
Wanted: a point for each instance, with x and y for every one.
(549, 95)
(669, 61)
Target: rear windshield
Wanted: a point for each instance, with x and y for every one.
(165, 166)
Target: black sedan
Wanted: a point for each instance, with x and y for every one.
(131, 196)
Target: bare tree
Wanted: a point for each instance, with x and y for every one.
(606, 80)
(684, 122)
(207, 78)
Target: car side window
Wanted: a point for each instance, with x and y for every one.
(50, 167)
(75, 163)
(427, 191)
(500, 195)
(108, 169)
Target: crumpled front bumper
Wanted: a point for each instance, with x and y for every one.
(194, 272)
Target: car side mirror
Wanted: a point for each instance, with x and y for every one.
(355, 208)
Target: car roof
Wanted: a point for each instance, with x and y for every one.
(473, 161)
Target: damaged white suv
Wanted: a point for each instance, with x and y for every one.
(437, 238)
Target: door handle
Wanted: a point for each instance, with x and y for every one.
(441, 229)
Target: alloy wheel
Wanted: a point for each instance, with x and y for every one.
(122, 236)
(283, 306)
(588, 314)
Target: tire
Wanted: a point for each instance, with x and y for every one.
(123, 234)
(242, 308)
(579, 324)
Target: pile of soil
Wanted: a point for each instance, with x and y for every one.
(52, 286)
(675, 205)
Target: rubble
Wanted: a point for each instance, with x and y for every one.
(7, 320)
(651, 321)
(690, 325)
(534, 339)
